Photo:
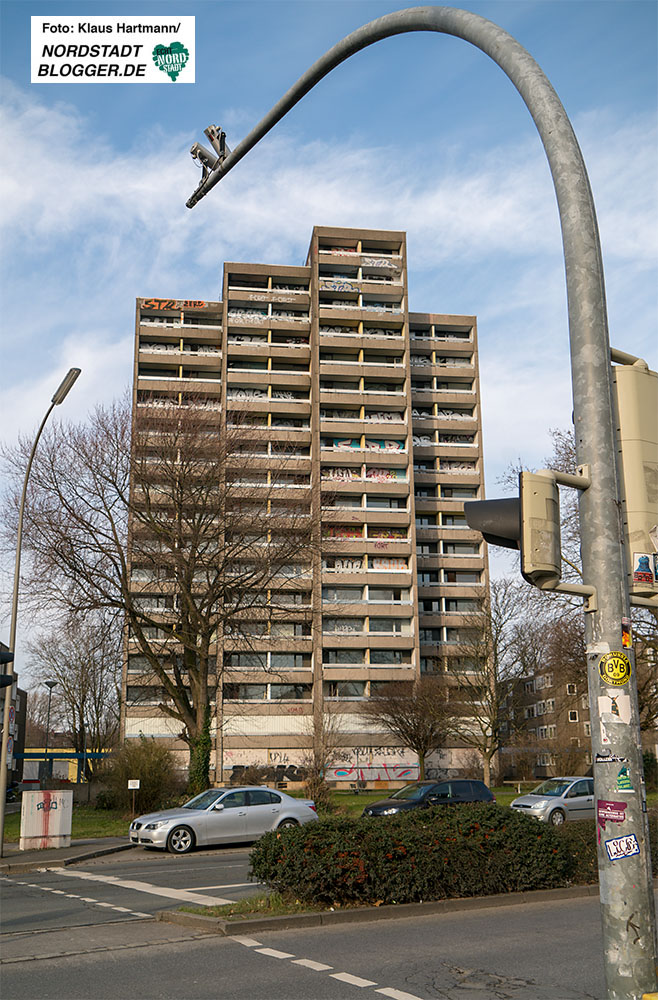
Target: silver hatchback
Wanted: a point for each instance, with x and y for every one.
(559, 799)
(221, 816)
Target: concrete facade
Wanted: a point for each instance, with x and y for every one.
(378, 409)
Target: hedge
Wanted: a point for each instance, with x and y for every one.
(472, 850)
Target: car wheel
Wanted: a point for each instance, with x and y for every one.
(180, 840)
(557, 817)
(286, 824)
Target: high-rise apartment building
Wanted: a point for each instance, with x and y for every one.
(377, 410)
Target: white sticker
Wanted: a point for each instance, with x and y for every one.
(622, 847)
(615, 708)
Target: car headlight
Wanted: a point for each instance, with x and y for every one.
(389, 812)
(156, 826)
(539, 805)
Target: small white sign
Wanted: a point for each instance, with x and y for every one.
(622, 847)
(133, 784)
(112, 49)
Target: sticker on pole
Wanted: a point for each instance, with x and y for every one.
(615, 668)
(622, 847)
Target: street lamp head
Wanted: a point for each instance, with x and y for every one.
(63, 390)
(50, 684)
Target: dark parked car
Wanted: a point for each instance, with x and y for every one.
(422, 794)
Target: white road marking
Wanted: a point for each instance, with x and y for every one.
(308, 963)
(233, 885)
(398, 994)
(110, 906)
(154, 890)
(345, 977)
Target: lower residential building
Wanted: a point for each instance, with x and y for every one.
(363, 417)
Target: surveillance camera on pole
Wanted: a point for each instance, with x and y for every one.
(211, 161)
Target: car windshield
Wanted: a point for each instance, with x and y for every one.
(554, 786)
(410, 792)
(205, 799)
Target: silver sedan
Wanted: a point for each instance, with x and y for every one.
(559, 799)
(221, 816)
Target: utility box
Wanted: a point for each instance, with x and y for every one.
(636, 397)
(46, 818)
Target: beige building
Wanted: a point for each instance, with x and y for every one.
(378, 409)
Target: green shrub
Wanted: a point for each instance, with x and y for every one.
(579, 839)
(146, 760)
(650, 771)
(443, 853)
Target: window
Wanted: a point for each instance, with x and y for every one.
(381, 657)
(386, 503)
(427, 636)
(573, 716)
(290, 661)
(261, 797)
(343, 625)
(342, 656)
(387, 595)
(250, 660)
(460, 576)
(389, 625)
(344, 689)
(290, 692)
(342, 594)
(245, 692)
(588, 728)
(571, 689)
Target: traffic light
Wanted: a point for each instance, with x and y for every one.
(635, 389)
(6, 656)
(529, 522)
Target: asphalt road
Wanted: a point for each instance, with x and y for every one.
(87, 931)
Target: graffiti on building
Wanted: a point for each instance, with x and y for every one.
(173, 304)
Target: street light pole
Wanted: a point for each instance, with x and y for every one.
(625, 883)
(50, 685)
(60, 395)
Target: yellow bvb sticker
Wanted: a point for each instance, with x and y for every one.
(615, 668)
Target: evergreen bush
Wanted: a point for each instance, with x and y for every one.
(469, 850)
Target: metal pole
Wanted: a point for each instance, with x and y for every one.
(59, 396)
(626, 885)
(50, 685)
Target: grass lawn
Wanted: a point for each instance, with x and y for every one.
(263, 905)
(87, 823)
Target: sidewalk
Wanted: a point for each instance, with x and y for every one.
(15, 861)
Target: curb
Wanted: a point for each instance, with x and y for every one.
(228, 928)
(20, 867)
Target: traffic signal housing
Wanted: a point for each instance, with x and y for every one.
(529, 523)
(6, 656)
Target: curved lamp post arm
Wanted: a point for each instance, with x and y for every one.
(628, 963)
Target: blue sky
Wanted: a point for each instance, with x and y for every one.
(420, 132)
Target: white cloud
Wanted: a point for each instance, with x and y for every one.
(88, 228)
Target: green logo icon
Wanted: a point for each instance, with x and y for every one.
(171, 59)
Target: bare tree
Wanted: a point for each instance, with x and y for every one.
(36, 716)
(484, 678)
(171, 522)
(326, 751)
(86, 662)
(417, 716)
